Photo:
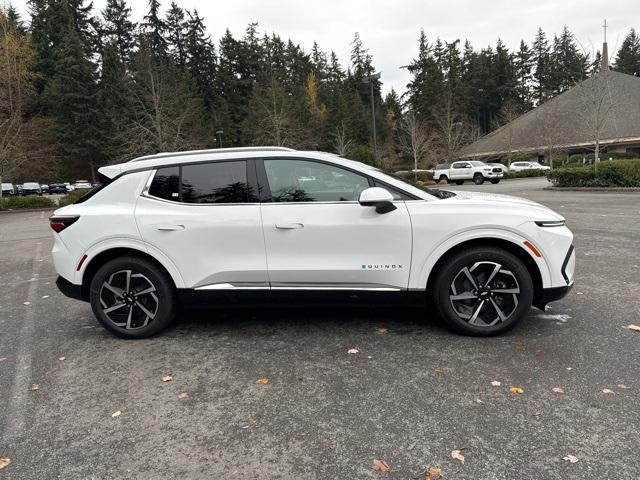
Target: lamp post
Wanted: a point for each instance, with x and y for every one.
(371, 80)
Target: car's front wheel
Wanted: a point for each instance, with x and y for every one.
(133, 298)
(483, 291)
(478, 179)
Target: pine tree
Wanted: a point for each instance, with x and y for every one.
(567, 65)
(201, 59)
(523, 65)
(153, 30)
(425, 91)
(175, 31)
(118, 29)
(541, 60)
(628, 58)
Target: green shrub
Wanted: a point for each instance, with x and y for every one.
(11, 203)
(416, 177)
(361, 153)
(72, 197)
(537, 172)
(614, 173)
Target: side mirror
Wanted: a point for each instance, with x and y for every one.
(379, 198)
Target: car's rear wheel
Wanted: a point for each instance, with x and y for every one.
(133, 298)
(443, 178)
(478, 179)
(459, 182)
(483, 291)
(495, 180)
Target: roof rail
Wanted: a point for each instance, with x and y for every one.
(213, 150)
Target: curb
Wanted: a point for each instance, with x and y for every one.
(595, 189)
(28, 210)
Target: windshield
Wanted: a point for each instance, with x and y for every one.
(436, 192)
(476, 163)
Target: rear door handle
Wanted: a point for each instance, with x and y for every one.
(289, 226)
(169, 228)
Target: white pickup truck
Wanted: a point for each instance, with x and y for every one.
(474, 170)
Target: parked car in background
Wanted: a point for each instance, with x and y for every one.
(70, 188)
(8, 190)
(502, 167)
(473, 170)
(31, 188)
(82, 185)
(518, 166)
(230, 226)
(57, 188)
(44, 187)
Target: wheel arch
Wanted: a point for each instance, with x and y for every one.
(512, 247)
(99, 259)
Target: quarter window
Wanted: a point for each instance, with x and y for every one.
(166, 184)
(308, 181)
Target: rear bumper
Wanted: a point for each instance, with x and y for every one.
(69, 289)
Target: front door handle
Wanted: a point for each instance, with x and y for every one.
(289, 226)
(169, 228)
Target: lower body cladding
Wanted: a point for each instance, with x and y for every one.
(299, 297)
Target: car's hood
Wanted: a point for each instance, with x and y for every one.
(502, 200)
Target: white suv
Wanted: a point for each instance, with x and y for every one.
(229, 227)
(518, 166)
(473, 170)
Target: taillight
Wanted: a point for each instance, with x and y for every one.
(59, 223)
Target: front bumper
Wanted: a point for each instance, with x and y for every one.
(548, 295)
(69, 289)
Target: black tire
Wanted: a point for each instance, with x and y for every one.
(495, 180)
(443, 178)
(512, 275)
(478, 179)
(459, 182)
(144, 274)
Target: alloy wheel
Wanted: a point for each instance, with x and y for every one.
(129, 299)
(484, 294)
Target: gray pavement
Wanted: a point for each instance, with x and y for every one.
(410, 397)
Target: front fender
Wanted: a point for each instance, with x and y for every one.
(424, 265)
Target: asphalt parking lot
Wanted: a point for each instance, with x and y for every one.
(413, 394)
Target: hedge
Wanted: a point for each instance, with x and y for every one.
(72, 197)
(10, 203)
(614, 173)
(534, 172)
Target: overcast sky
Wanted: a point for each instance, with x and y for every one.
(390, 29)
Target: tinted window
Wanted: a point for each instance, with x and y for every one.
(308, 181)
(460, 165)
(166, 184)
(397, 194)
(218, 182)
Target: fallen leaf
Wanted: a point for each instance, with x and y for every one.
(167, 378)
(45, 296)
(622, 386)
(116, 414)
(496, 383)
(437, 371)
(353, 351)
(635, 328)
(26, 303)
(516, 390)
(62, 359)
(4, 462)
(183, 395)
(479, 401)
(606, 391)
(558, 390)
(382, 330)
(35, 387)
(536, 414)
(380, 466)
(570, 458)
(539, 352)
(434, 473)
(262, 381)
(457, 455)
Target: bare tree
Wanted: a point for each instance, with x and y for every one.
(341, 142)
(596, 107)
(508, 113)
(453, 128)
(418, 141)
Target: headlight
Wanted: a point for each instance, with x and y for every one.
(551, 223)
